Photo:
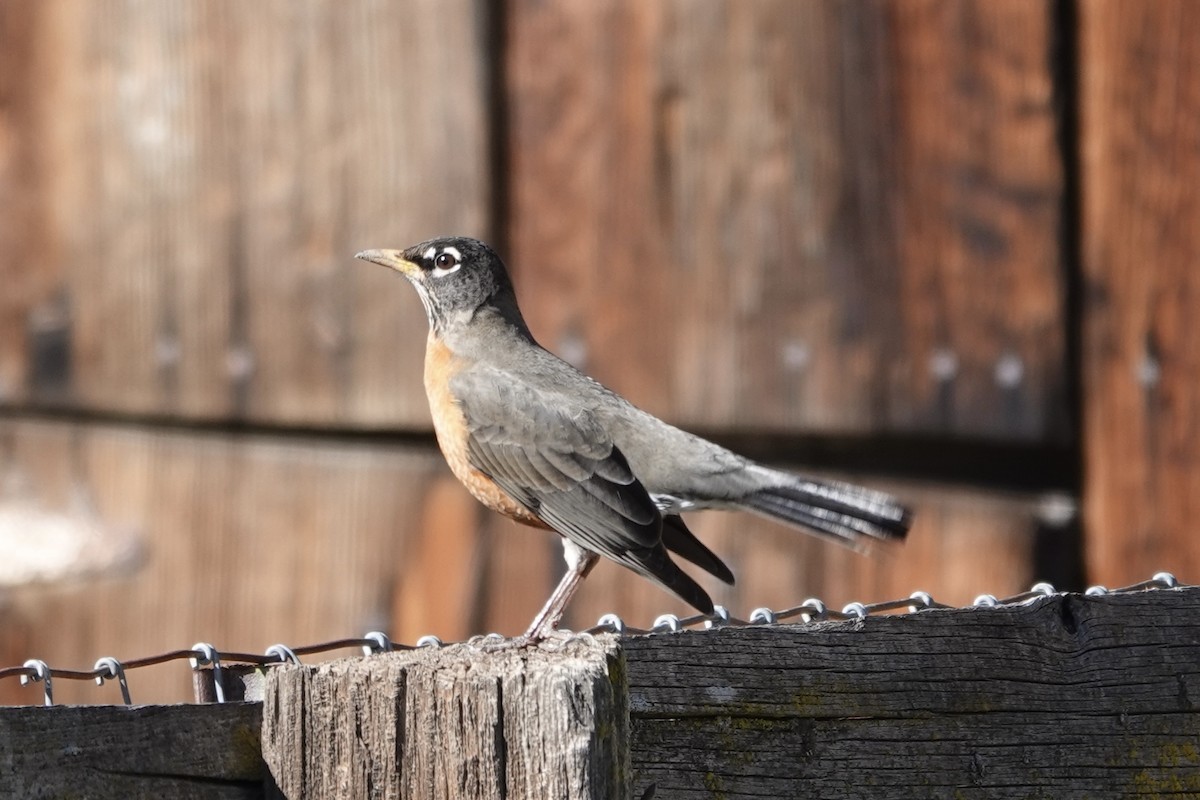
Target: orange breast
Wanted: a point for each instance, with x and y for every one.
(451, 428)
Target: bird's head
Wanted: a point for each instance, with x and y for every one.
(455, 277)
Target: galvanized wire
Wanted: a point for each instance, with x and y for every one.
(814, 610)
(203, 656)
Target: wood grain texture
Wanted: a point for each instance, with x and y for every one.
(520, 570)
(1140, 164)
(245, 542)
(191, 182)
(116, 752)
(452, 723)
(824, 216)
(26, 296)
(1070, 697)
(1066, 697)
(441, 590)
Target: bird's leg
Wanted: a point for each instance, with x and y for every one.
(579, 564)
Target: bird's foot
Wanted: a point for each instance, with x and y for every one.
(491, 642)
(548, 639)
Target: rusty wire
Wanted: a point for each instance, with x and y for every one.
(203, 656)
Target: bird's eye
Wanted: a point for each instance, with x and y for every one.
(444, 261)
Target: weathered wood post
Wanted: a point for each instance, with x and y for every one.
(453, 723)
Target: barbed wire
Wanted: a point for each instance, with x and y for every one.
(203, 656)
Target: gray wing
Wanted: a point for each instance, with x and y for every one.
(559, 463)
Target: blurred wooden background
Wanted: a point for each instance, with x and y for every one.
(945, 247)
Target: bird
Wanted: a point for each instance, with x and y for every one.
(535, 439)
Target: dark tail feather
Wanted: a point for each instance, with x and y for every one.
(686, 587)
(681, 541)
(657, 564)
(847, 514)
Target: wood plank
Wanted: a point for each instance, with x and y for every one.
(439, 589)
(1069, 697)
(1062, 639)
(522, 568)
(204, 752)
(820, 216)
(1140, 164)
(451, 723)
(246, 541)
(34, 350)
(1022, 755)
(204, 174)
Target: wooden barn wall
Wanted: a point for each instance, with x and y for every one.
(817, 216)
(194, 179)
(794, 221)
(1140, 169)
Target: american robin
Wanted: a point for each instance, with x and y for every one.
(538, 441)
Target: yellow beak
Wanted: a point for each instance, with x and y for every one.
(392, 259)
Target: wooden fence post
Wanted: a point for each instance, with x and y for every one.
(453, 723)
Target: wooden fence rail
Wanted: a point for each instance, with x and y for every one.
(1068, 696)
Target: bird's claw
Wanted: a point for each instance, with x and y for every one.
(548, 639)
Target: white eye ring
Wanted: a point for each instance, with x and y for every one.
(446, 262)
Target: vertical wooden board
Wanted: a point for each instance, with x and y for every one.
(438, 588)
(390, 140)
(829, 216)
(30, 314)
(247, 542)
(979, 218)
(1140, 166)
(522, 568)
(205, 173)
